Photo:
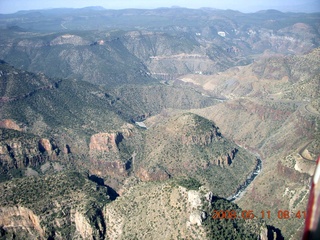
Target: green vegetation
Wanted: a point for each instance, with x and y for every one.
(53, 197)
(220, 226)
(267, 107)
(189, 145)
(189, 183)
(8, 134)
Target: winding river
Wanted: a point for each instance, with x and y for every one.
(249, 180)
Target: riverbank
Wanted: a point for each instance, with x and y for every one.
(242, 188)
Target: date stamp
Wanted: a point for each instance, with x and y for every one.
(250, 214)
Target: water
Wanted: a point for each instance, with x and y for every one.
(244, 186)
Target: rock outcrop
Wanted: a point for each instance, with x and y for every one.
(21, 221)
(105, 142)
(9, 124)
(69, 39)
(194, 199)
(225, 160)
(109, 142)
(195, 203)
(152, 174)
(22, 150)
(83, 227)
(105, 155)
(45, 145)
(116, 168)
(196, 217)
(115, 223)
(152, 210)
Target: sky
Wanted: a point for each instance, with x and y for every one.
(11, 6)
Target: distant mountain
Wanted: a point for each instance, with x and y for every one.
(102, 61)
(128, 50)
(161, 107)
(308, 6)
(97, 18)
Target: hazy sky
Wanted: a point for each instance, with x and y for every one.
(10, 6)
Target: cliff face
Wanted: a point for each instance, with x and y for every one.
(105, 142)
(225, 160)
(61, 206)
(110, 141)
(83, 226)
(141, 202)
(19, 150)
(201, 139)
(166, 210)
(48, 121)
(105, 153)
(21, 221)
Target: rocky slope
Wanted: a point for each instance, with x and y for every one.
(49, 126)
(276, 116)
(42, 141)
(68, 205)
(60, 206)
(273, 77)
(189, 145)
(19, 151)
(54, 123)
(62, 120)
(149, 100)
(168, 211)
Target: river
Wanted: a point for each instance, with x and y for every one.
(249, 180)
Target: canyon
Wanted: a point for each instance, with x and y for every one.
(145, 123)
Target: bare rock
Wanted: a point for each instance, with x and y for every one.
(9, 124)
(152, 175)
(69, 39)
(306, 155)
(203, 139)
(83, 227)
(15, 219)
(196, 217)
(112, 168)
(31, 172)
(194, 199)
(209, 197)
(105, 142)
(45, 145)
(115, 223)
(203, 215)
